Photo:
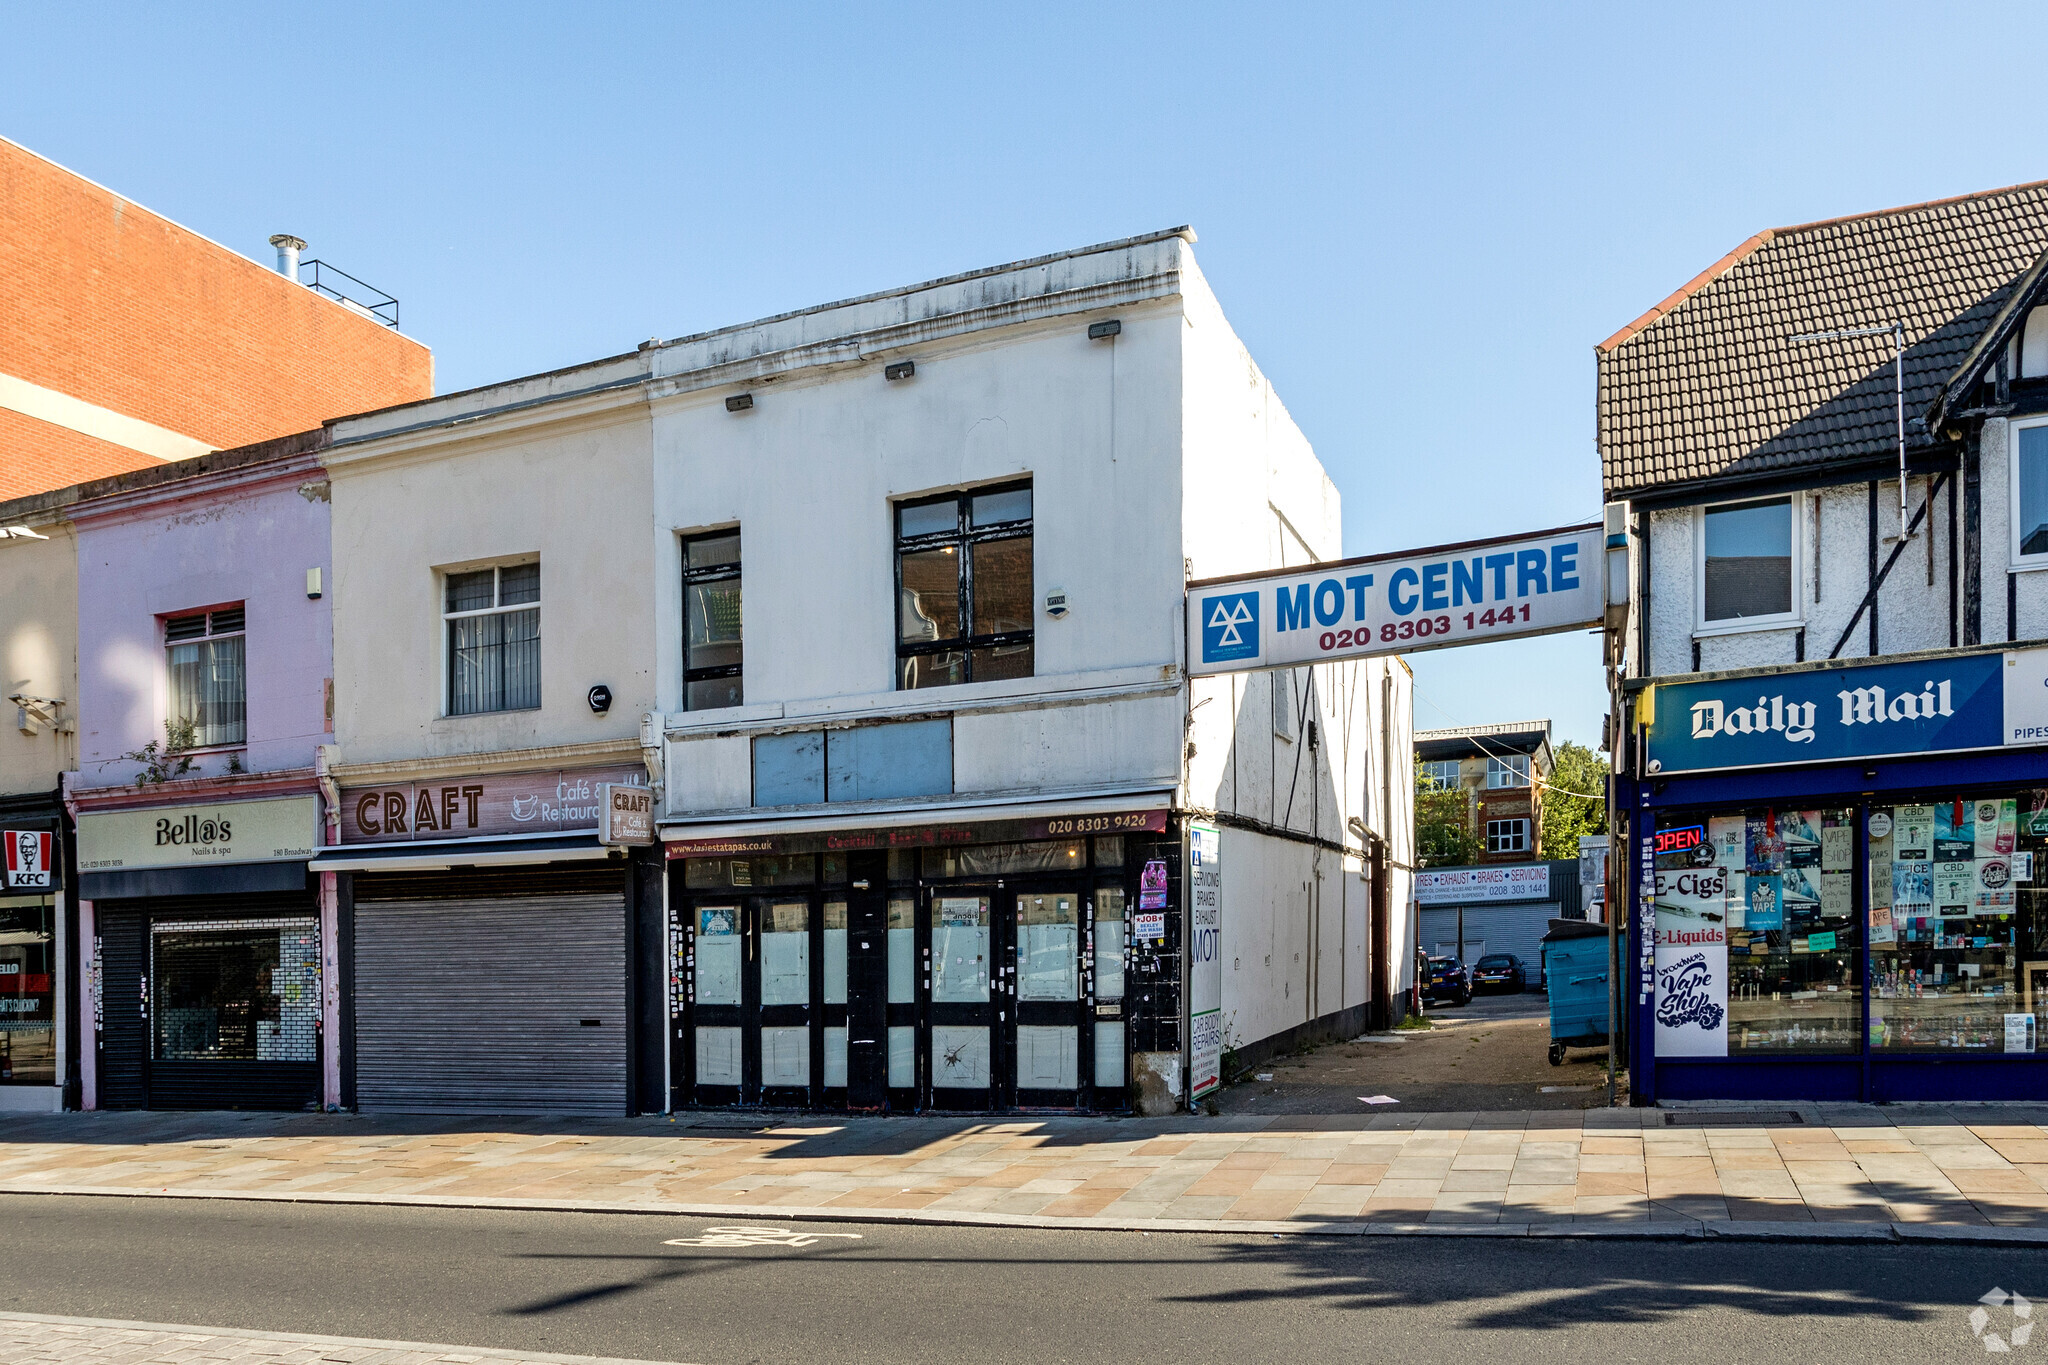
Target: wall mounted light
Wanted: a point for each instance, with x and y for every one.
(1102, 331)
(739, 402)
(313, 584)
(902, 369)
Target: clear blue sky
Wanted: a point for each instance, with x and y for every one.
(1421, 219)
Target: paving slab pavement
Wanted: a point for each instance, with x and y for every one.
(1620, 1172)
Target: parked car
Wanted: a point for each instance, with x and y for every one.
(1449, 979)
(1501, 972)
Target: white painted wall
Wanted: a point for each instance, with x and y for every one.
(575, 492)
(38, 648)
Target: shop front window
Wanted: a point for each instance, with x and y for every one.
(28, 1014)
(1957, 924)
(1759, 947)
(236, 991)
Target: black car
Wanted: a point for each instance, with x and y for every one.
(1449, 979)
(1501, 972)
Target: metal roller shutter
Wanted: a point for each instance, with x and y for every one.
(483, 1006)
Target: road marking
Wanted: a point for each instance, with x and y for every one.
(756, 1237)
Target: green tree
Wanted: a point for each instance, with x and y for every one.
(1574, 800)
(1443, 824)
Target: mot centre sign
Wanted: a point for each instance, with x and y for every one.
(1463, 594)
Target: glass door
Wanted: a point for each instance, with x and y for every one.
(908, 985)
(965, 993)
(714, 959)
(1045, 1027)
(782, 1023)
(759, 970)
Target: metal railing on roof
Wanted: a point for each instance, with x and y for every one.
(366, 299)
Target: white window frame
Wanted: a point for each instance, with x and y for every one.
(441, 577)
(2014, 559)
(1457, 773)
(170, 688)
(1520, 836)
(1790, 620)
(1506, 764)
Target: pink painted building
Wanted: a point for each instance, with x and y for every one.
(205, 693)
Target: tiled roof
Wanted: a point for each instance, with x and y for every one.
(1709, 385)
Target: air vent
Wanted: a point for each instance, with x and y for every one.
(1722, 1118)
(227, 620)
(185, 627)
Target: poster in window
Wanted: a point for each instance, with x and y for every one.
(1152, 885)
(1881, 927)
(1913, 834)
(1994, 893)
(1728, 836)
(1955, 889)
(1837, 895)
(2037, 811)
(1838, 849)
(1766, 902)
(1997, 826)
(1801, 898)
(1692, 989)
(1912, 888)
(1696, 895)
(1955, 832)
(1799, 833)
(1766, 851)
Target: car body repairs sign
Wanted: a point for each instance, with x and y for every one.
(1426, 599)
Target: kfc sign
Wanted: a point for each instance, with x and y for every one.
(28, 853)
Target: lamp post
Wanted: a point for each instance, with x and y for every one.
(1897, 331)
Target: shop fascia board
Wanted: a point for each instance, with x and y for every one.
(679, 369)
(390, 772)
(1021, 694)
(1632, 686)
(857, 815)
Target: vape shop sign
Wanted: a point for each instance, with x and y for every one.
(554, 802)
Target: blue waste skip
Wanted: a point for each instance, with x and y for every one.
(1575, 977)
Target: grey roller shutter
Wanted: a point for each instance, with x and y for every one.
(480, 1006)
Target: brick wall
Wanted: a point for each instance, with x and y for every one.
(114, 305)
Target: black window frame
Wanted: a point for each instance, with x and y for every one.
(713, 573)
(964, 536)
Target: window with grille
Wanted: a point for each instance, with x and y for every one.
(235, 990)
(1511, 771)
(209, 677)
(493, 620)
(1507, 836)
(712, 648)
(963, 587)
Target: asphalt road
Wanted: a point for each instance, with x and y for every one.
(610, 1284)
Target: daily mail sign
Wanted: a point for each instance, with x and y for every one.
(1425, 599)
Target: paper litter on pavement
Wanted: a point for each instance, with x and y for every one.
(1379, 1099)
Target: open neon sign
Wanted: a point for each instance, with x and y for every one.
(1681, 840)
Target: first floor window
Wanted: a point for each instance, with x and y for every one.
(1511, 771)
(2030, 492)
(493, 618)
(1507, 836)
(964, 587)
(1746, 560)
(209, 680)
(711, 626)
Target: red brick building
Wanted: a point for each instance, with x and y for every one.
(130, 340)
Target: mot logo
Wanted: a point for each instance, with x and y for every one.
(1230, 627)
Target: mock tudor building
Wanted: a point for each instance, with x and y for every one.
(1827, 456)
(883, 601)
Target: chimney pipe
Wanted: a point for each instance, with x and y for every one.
(288, 249)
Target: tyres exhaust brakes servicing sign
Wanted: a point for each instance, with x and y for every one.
(1460, 594)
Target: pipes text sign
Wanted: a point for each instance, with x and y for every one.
(1425, 599)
